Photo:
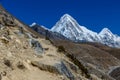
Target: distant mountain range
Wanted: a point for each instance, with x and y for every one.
(68, 27)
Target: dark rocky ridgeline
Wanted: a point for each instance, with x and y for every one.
(47, 33)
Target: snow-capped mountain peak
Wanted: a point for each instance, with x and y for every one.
(66, 21)
(66, 16)
(69, 27)
(106, 31)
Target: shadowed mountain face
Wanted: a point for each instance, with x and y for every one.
(47, 33)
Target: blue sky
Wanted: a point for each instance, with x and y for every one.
(94, 14)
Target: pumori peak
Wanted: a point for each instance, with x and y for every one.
(69, 27)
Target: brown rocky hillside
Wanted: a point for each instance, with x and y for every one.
(99, 59)
(25, 55)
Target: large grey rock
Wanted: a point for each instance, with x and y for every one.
(45, 67)
(37, 46)
(20, 31)
(59, 68)
(62, 69)
(115, 73)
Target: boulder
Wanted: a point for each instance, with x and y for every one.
(37, 46)
(45, 67)
(62, 69)
(8, 20)
(58, 68)
(20, 65)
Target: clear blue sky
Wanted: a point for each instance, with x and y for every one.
(94, 14)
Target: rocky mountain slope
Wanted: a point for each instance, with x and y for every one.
(99, 59)
(69, 27)
(25, 55)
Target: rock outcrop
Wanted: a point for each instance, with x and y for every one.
(37, 46)
(58, 68)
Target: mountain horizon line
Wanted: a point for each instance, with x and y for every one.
(72, 30)
(68, 15)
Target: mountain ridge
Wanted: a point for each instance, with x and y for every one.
(69, 27)
(95, 56)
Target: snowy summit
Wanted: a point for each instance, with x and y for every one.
(69, 27)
